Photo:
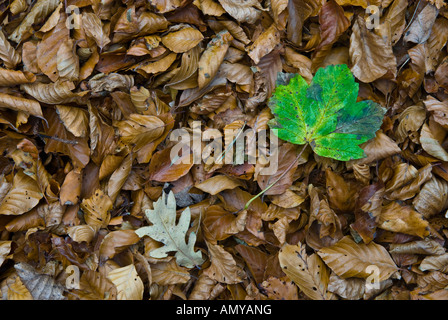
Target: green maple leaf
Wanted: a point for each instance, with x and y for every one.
(172, 235)
(325, 113)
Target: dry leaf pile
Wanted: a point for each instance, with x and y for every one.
(90, 91)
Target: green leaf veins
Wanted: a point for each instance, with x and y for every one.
(325, 114)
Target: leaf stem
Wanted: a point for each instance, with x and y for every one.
(278, 179)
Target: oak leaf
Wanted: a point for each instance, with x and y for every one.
(172, 235)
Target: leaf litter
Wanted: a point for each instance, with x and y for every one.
(93, 205)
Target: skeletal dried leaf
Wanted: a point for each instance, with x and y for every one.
(40, 286)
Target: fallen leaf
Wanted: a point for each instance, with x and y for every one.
(40, 286)
(350, 259)
(309, 273)
(172, 235)
(128, 283)
(22, 197)
(182, 40)
(223, 266)
(370, 56)
(404, 219)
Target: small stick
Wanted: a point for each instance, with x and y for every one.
(44, 136)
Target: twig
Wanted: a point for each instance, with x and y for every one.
(412, 18)
(44, 136)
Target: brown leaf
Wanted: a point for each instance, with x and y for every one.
(139, 130)
(350, 288)
(278, 289)
(367, 208)
(404, 219)
(94, 286)
(21, 104)
(393, 23)
(350, 259)
(333, 24)
(309, 273)
(264, 44)
(299, 11)
(40, 10)
(216, 184)
(74, 119)
(53, 93)
(54, 47)
(420, 29)
(128, 283)
(93, 28)
(223, 266)
(182, 40)
(380, 147)
(370, 56)
(432, 198)
(242, 11)
(12, 77)
(22, 197)
(425, 246)
(221, 224)
(118, 178)
(165, 168)
(41, 286)
(431, 137)
(167, 273)
(439, 109)
(8, 54)
(61, 140)
(289, 153)
(116, 242)
(255, 259)
(212, 57)
(96, 210)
